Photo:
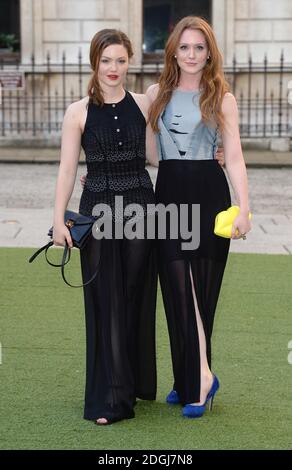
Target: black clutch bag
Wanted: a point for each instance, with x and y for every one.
(80, 227)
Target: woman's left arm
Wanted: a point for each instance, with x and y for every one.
(235, 164)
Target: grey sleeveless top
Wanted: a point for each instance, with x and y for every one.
(183, 135)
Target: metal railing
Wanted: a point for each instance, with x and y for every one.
(261, 92)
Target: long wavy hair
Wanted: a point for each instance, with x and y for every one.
(213, 83)
(101, 40)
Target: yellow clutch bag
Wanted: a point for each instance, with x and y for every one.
(224, 221)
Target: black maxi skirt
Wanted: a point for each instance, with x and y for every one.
(120, 326)
(191, 182)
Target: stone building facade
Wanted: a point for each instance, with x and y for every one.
(244, 29)
(58, 26)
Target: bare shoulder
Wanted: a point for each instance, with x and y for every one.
(140, 98)
(142, 101)
(77, 111)
(152, 91)
(229, 104)
(75, 108)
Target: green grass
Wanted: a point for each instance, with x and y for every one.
(42, 372)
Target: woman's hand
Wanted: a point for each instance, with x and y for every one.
(241, 226)
(83, 180)
(61, 235)
(220, 156)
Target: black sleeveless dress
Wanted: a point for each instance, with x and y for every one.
(120, 303)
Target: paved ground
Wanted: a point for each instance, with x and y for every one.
(27, 197)
(45, 154)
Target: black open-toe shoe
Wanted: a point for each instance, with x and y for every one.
(108, 421)
(112, 420)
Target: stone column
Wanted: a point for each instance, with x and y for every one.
(31, 18)
(38, 31)
(26, 23)
(223, 24)
(218, 23)
(135, 28)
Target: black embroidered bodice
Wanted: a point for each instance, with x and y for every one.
(114, 144)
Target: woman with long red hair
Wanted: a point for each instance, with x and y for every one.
(110, 124)
(191, 106)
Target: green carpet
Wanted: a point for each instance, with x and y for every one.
(43, 358)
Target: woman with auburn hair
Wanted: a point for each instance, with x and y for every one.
(191, 105)
(110, 125)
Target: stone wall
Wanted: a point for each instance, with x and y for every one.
(58, 26)
(242, 27)
(255, 27)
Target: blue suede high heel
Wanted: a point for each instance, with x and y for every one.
(172, 398)
(212, 393)
(196, 411)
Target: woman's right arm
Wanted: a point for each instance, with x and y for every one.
(70, 152)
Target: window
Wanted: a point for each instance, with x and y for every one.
(10, 25)
(160, 16)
